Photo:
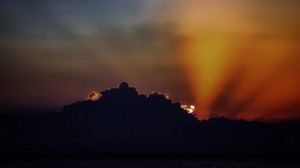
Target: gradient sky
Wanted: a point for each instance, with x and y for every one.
(236, 58)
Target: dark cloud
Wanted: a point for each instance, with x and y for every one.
(125, 122)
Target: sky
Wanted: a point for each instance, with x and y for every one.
(237, 58)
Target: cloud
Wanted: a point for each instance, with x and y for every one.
(84, 60)
(124, 122)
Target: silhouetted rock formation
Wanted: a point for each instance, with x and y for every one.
(122, 121)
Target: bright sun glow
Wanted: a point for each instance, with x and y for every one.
(188, 108)
(93, 96)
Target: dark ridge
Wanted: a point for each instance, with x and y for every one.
(124, 122)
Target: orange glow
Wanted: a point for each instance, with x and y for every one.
(239, 64)
(93, 96)
(188, 108)
(236, 58)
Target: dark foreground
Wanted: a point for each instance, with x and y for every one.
(149, 162)
(123, 121)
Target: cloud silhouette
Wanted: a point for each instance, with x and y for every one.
(123, 121)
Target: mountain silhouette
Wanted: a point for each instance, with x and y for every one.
(123, 121)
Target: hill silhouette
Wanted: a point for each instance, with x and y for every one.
(122, 121)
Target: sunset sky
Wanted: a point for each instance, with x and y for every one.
(235, 58)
